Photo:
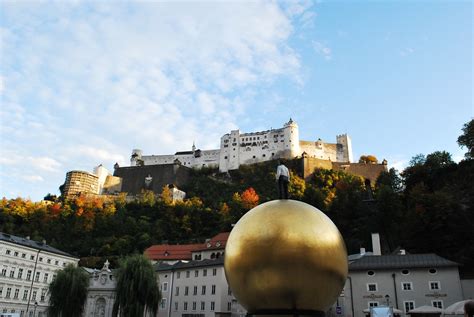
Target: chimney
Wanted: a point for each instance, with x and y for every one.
(362, 250)
(376, 244)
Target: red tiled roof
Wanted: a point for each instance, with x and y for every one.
(171, 252)
(183, 251)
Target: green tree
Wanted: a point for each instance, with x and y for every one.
(467, 139)
(68, 292)
(137, 289)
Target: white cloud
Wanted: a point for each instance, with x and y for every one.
(406, 51)
(322, 50)
(87, 82)
(398, 164)
(33, 178)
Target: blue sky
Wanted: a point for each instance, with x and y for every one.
(83, 83)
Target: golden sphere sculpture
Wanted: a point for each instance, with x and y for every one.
(285, 256)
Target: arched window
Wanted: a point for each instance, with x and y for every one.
(99, 310)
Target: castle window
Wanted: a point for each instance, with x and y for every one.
(253, 156)
(225, 157)
(263, 155)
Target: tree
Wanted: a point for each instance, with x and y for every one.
(137, 289)
(249, 198)
(68, 292)
(368, 159)
(467, 139)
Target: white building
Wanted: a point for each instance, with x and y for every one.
(248, 148)
(101, 292)
(27, 269)
(194, 289)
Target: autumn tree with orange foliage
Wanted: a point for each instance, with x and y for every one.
(249, 198)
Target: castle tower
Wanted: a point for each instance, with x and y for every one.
(135, 157)
(292, 139)
(229, 151)
(344, 148)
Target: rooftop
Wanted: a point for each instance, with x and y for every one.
(188, 265)
(400, 262)
(32, 244)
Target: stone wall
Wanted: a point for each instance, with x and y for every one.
(367, 171)
(152, 177)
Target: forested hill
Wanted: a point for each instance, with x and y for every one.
(427, 208)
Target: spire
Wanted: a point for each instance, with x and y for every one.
(194, 147)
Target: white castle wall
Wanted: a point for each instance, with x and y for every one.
(249, 148)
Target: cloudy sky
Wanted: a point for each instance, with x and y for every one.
(82, 83)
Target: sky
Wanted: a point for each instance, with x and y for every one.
(82, 83)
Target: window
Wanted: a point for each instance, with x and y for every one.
(1, 291)
(12, 272)
(409, 305)
(204, 272)
(373, 304)
(432, 271)
(187, 274)
(178, 274)
(25, 294)
(8, 252)
(15, 253)
(4, 270)
(28, 275)
(229, 306)
(203, 305)
(196, 273)
(370, 273)
(163, 303)
(435, 285)
(194, 305)
(407, 286)
(165, 286)
(48, 261)
(37, 277)
(195, 290)
(214, 272)
(405, 272)
(185, 306)
(229, 291)
(34, 295)
(56, 262)
(371, 287)
(177, 291)
(186, 290)
(213, 306)
(437, 303)
(45, 278)
(41, 259)
(17, 291)
(9, 291)
(23, 255)
(175, 305)
(43, 294)
(213, 289)
(32, 257)
(20, 273)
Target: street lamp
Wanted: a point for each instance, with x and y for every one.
(387, 298)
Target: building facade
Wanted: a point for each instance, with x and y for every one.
(27, 268)
(194, 289)
(402, 281)
(101, 292)
(238, 148)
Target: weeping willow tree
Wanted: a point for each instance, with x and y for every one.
(137, 291)
(68, 292)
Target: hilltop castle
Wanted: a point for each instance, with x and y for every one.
(152, 172)
(249, 148)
